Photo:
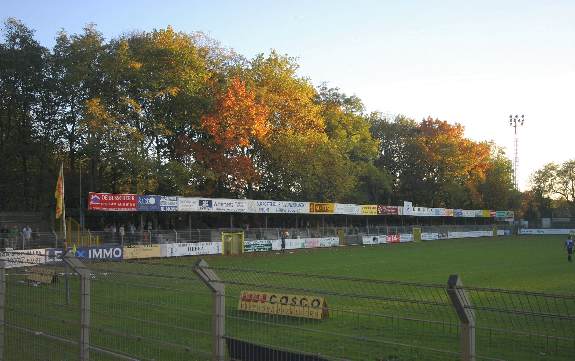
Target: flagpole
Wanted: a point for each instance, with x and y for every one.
(64, 209)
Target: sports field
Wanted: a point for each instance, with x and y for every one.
(158, 310)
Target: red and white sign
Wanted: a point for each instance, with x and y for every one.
(112, 202)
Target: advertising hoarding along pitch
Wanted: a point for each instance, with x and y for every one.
(142, 251)
(305, 306)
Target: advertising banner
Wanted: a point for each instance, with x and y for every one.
(100, 252)
(458, 212)
(387, 210)
(190, 249)
(505, 214)
(258, 246)
(304, 306)
(142, 251)
(112, 202)
(321, 207)
(223, 205)
(407, 208)
(429, 236)
(329, 242)
(169, 203)
(351, 209)
(393, 238)
(438, 212)
(23, 258)
(188, 204)
(546, 231)
(468, 213)
(449, 212)
(292, 207)
(295, 243)
(405, 237)
(369, 210)
(371, 240)
(148, 203)
(485, 213)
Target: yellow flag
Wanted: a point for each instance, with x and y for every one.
(59, 194)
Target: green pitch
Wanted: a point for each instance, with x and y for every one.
(158, 310)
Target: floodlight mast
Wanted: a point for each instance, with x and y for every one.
(515, 121)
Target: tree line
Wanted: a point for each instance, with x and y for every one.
(167, 112)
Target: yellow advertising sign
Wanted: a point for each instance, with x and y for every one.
(303, 306)
(321, 207)
(486, 213)
(369, 210)
(142, 251)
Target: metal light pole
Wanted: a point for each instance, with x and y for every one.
(514, 121)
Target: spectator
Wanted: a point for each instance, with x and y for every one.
(122, 233)
(26, 235)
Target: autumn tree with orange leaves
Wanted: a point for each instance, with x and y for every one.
(236, 128)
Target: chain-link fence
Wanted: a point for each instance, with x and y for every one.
(172, 310)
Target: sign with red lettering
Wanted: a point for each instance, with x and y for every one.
(112, 202)
(387, 210)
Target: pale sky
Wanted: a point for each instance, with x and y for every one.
(472, 62)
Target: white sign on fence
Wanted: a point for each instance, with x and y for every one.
(23, 258)
(190, 249)
(546, 231)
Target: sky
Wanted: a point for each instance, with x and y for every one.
(470, 62)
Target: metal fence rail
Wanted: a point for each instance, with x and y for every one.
(92, 238)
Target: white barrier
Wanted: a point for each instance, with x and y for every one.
(546, 231)
(190, 249)
(23, 258)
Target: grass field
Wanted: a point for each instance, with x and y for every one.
(158, 309)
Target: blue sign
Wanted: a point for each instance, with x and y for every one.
(205, 204)
(148, 203)
(115, 253)
(458, 212)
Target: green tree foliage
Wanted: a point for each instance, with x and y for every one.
(556, 182)
(174, 113)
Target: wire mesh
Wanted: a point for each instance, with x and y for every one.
(42, 319)
(160, 310)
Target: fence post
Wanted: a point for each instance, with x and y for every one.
(84, 272)
(462, 306)
(2, 306)
(210, 279)
(176, 232)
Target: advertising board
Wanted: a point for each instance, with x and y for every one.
(321, 207)
(190, 249)
(369, 210)
(142, 251)
(258, 246)
(405, 237)
(387, 210)
(112, 202)
(23, 257)
(545, 231)
(147, 203)
(304, 306)
(168, 203)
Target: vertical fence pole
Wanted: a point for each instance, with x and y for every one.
(461, 304)
(210, 279)
(2, 306)
(84, 273)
